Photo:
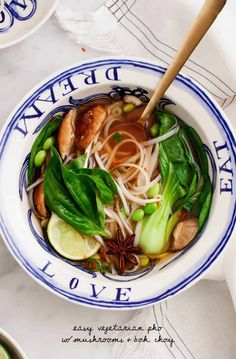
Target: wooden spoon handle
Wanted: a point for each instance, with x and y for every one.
(205, 18)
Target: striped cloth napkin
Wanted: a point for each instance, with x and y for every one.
(195, 322)
(154, 29)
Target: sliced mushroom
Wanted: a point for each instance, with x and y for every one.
(39, 201)
(183, 233)
(66, 133)
(89, 125)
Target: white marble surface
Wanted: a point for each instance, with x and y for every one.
(36, 318)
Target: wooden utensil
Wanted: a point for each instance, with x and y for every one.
(205, 18)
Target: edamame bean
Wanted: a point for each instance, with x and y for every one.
(49, 142)
(150, 208)
(128, 107)
(154, 130)
(138, 215)
(153, 191)
(39, 158)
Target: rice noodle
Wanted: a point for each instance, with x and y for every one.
(125, 223)
(161, 138)
(153, 160)
(123, 200)
(115, 149)
(147, 159)
(108, 124)
(129, 174)
(108, 137)
(135, 267)
(35, 184)
(113, 105)
(127, 177)
(91, 162)
(113, 228)
(133, 158)
(104, 156)
(143, 188)
(111, 214)
(67, 159)
(88, 151)
(155, 180)
(137, 232)
(99, 161)
(135, 199)
(100, 240)
(31, 200)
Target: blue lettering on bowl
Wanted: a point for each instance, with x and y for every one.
(21, 10)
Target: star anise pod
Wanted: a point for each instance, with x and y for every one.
(123, 249)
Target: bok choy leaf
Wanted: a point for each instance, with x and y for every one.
(185, 182)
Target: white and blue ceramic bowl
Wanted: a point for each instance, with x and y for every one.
(21, 232)
(11, 345)
(19, 19)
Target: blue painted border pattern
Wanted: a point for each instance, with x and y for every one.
(11, 11)
(206, 261)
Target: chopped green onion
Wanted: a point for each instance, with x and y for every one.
(138, 215)
(117, 137)
(154, 130)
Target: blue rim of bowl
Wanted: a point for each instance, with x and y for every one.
(194, 87)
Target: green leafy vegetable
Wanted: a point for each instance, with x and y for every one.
(202, 198)
(98, 178)
(77, 163)
(106, 194)
(48, 130)
(82, 191)
(186, 185)
(60, 201)
(107, 179)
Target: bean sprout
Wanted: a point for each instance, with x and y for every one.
(161, 138)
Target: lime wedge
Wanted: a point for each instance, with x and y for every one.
(4, 353)
(68, 242)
